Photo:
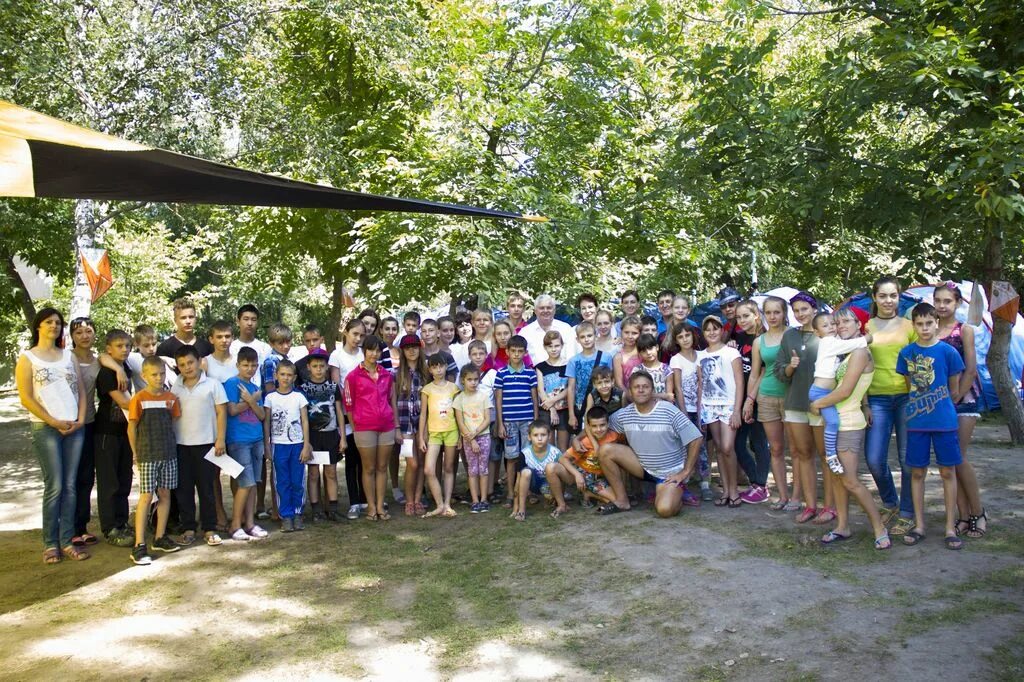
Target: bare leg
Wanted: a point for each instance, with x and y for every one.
(917, 475)
(554, 473)
(451, 458)
(616, 462)
(313, 485)
(238, 509)
(776, 443)
(141, 516)
(331, 484)
(842, 499)
(801, 444)
(848, 484)
(368, 457)
(668, 500)
(430, 472)
(412, 474)
(725, 437)
(510, 478)
(967, 491)
(826, 481)
(948, 475)
(523, 489)
(791, 437)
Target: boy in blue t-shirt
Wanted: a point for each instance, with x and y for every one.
(515, 404)
(245, 443)
(931, 368)
(579, 371)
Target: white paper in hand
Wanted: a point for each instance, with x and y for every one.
(407, 447)
(321, 458)
(226, 464)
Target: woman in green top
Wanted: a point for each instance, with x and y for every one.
(887, 400)
(805, 432)
(769, 393)
(853, 377)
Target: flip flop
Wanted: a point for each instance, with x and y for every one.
(833, 537)
(610, 508)
(557, 512)
(213, 540)
(953, 542)
(912, 537)
(51, 555)
(75, 553)
(89, 538)
(735, 502)
(883, 542)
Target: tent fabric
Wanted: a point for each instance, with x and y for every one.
(982, 333)
(42, 156)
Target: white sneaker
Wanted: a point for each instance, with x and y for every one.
(257, 533)
(240, 536)
(353, 512)
(398, 496)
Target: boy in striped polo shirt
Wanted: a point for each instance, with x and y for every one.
(515, 402)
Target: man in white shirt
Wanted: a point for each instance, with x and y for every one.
(544, 309)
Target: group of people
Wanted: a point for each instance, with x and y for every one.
(622, 410)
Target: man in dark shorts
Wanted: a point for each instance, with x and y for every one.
(663, 448)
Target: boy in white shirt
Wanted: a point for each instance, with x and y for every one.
(286, 436)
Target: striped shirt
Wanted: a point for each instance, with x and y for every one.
(659, 437)
(516, 393)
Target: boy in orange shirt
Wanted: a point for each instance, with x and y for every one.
(583, 464)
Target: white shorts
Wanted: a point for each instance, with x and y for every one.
(709, 414)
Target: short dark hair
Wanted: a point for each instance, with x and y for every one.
(666, 292)
(153, 361)
(437, 360)
(117, 335)
(183, 304)
(389, 318)
(285, 364)
(247, 308)
(185, 351)
(246, 354)
(467, 369)
(312, 329)
(518, 341)
(596, 412)
(630, 292)
(646, 341)
(220, 326)
(411, 315)
(647, 319)
(372, 342)
(602, 372)
(538, 424)
(924, 310)
(429, 321)
(640, 374)
(586, 297)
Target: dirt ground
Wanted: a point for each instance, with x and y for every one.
(715, 594)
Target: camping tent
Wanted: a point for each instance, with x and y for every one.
(982, 333)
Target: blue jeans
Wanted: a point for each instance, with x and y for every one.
(58, 458)
(755, 467)
(888, 412)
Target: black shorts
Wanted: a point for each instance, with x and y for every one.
(563, 419)
(326, 440)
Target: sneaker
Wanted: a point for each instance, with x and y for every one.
(262, 515)
(363, 507)
(756, 494)
(287, 524)
(166, 544)
(706, 494)
(297, 523)
(485, 507)
(834, 464)
(140, 557)
(353, 512)
(118, 538)
(257, 533)
(689, 499)
(241, 536)
(398, 496)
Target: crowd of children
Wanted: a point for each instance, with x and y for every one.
(620, 411)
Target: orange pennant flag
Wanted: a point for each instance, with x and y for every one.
(96, 265)
(1005, 302)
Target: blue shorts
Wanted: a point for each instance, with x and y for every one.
(517, 437)
(945, 443)
(538, 482)
(250, 456)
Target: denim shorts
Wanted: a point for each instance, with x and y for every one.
(517, 437)
(250, 456)
(968, 409)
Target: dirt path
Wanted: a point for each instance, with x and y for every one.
(717, 594)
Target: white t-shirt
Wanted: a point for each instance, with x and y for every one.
(719, 382)
(285, 416)
(262, 349)
(534, 335)
(344, 361)
(198, 423)
(460, 352)
(221, 371)
(55, 385)
(829, 350)
(688, 378)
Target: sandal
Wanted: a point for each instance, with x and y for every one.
(449, 513)
(780, 505)
(722, 501)
(213, 539)
(806, 515)
(793, 506)
(833, 537)
(735, 502)
(825, 515)
(953, 542)
(372, 516)
(187, 538)
(610, 508)
(76, 554)
(557, 512)
(966, 525)
(902, 526)
(436, 511)
(51, 555)
(89, 539)
(384, 517)
(78, 541)
(973, 529)
(519, 516)
(410, 508)
(883, 542)
(912, 538)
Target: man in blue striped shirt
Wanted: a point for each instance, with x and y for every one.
(663, 448)
(515, 403)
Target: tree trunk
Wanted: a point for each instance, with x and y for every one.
(85, 237)
(999, 351)
(333, 336)
(28, 309)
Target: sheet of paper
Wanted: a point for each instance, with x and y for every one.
(407, 447)
(321, 458)
(226, 464)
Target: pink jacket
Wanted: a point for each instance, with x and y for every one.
(367, 402)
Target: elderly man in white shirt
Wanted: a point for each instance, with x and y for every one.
(544, 309)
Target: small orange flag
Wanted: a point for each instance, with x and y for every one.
(96, 265)
(1004, 302)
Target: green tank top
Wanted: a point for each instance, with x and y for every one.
(770, 386)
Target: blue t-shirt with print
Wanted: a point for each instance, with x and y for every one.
(580, 367)
(244, 427)
(929, 368)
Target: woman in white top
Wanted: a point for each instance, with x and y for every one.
(50, 386)
(83, 337)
